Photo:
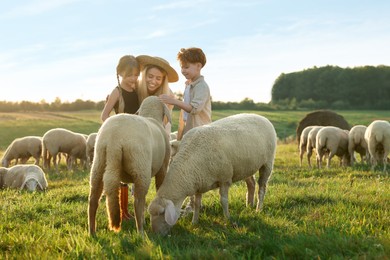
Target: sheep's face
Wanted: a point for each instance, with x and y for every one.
(159, 225)
(158, 216)
(31, 185)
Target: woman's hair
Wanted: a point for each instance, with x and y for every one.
(143, 89)
(191, 55)
(126, 66)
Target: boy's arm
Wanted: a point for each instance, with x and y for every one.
(173, 101)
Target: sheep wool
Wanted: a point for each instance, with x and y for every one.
(23, 148)
(377, 137)
(334, 140)
(356, 142)
(215, 156)
(23, 177)
(60, 140)
(130, 149)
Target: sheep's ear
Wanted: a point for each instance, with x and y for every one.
(171, 216)
(167, 113)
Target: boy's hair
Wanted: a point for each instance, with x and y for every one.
(191, 55)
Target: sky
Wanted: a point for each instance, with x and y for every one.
(69, 49)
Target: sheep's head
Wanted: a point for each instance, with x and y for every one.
(163, 215)
(153, 107)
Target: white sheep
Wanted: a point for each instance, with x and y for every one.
(216, 155)
(129, 149)
(23, 148)
(303, 142)
(311, 142)
(356, 142)
(60, 140)
(377, 137)
(334, 141)
(91, 139)
(23, 177)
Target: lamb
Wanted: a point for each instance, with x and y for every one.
(311, 142)
(129, 149)
(90, 148)
(23, 177)
(356, 142)
(216, 155)
(334, 141)
(303, 143)
(60, 140)
(377, 137)
(23, 148)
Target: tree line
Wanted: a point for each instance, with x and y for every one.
(365, 87)
(329, 87)
(78, 105)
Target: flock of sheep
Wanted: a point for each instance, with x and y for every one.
(371, 142)
(54, 144)
(135, 148)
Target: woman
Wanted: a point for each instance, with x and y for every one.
(156, 76)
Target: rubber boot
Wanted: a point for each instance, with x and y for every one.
(125, 202)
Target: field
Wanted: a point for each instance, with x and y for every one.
(337, 213)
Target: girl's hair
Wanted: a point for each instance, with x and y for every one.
(191, 55)
(143, 89)
(127, 65)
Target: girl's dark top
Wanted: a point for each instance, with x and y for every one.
(131, 101)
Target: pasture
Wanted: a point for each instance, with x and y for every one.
(337, 213)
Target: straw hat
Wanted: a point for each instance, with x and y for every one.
(145, 60)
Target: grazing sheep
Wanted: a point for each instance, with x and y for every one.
(60, 140)
(334, 141)
(322, 118)
(377, 137)
(311, 142)
(303, 143)
(23, 148)
(130, 149)
(23, 177)
(356, 142)
(90, 148)
(216, 155)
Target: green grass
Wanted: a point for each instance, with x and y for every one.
(332, 213)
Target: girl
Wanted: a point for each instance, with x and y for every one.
(124, 99)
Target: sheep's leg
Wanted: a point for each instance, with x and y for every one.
(37, 159)
(95, 193)
(265, 172)
(331, 154)
(309, 153)
(140, 191)
(224, 198)
(111, 182)
(55, 162)
(300, 157)
(197, 205)
(250, 194)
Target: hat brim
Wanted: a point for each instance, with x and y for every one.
(145, 60)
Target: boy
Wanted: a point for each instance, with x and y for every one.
(196, 107)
